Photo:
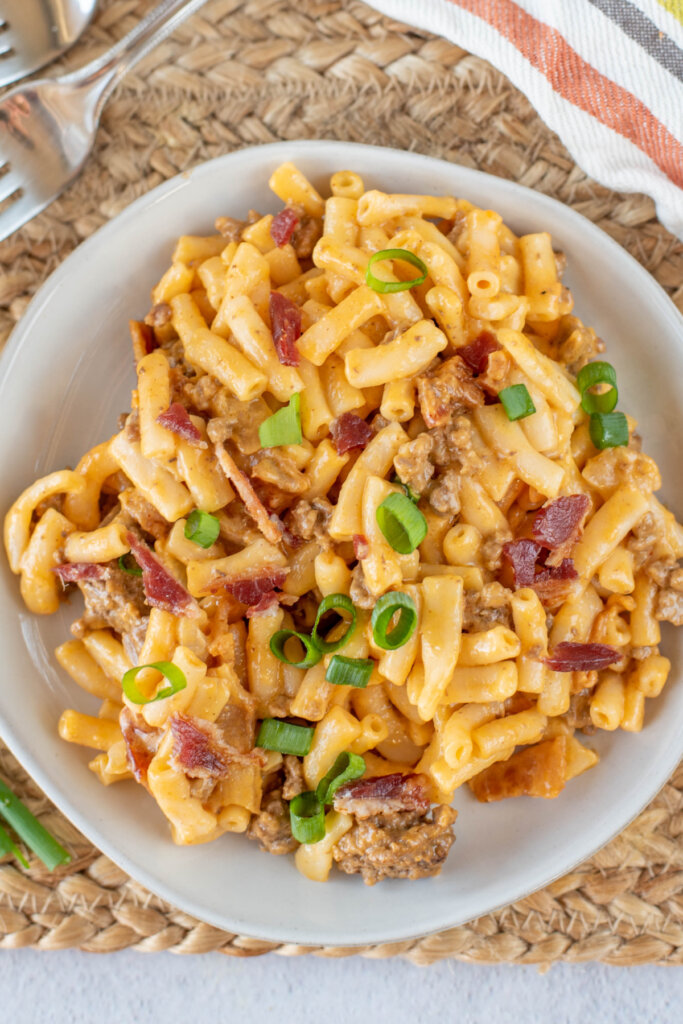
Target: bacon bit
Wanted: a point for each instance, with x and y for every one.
(572, 657)
(558, 525)
(283, 226)
(477, 353)
(554, 584)
(177, 419)
(193, 750)
(350, 431)
(271, 530)
(250, 589)
(383, 794)
(551, 583)
(285, 319)
(199, 750)
(144, 340)
(266, 604)
(361, 547)
(539, 770)
(521, 555)
(161, 589)
(141, 744)
(72, 572)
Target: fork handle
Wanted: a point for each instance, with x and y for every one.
(104, 73)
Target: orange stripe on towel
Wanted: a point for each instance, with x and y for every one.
(579, 82)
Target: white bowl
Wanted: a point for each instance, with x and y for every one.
(66, 374)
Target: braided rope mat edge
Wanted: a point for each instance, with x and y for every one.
(244, 72)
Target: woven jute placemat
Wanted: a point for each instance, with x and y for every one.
(243, 73)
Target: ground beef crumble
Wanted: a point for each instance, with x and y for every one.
(306, 234)
(294, 783)
(309, 520)
(577, 344)
(448, 389)
(444, 497)
(159, 315)
(116, 601)
(669, 607)
(143, 512)
(403, 845)
(270, 827)
(412, 463)
(578, 716)
(453, 445)
(358, 591)
(487, 607)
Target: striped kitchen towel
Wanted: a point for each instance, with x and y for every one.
(606, 75)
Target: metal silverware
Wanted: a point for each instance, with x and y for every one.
(33, 33)
(47, 127)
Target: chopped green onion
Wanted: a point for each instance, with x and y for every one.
(402, 523)
(175, 676)
(8, 846)
(30, 831)
(284, 426)
(328, 604)
(349, 671)
(597, 373)
(279, 640)
(307, 818)
(382, 614)
(202, 529)
(284, 737)
(608, 429)
(347, 767)
(387, 287)
(409, 492)
(517, 402)
(128, 564)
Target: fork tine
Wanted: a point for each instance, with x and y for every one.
(9, 183)
(12, 67)
(16, 215)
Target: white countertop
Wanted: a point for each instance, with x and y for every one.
(134, 988)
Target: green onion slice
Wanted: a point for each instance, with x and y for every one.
(597, 373)
(278, 642)
(386, 287)
(402, 523)
(409, 492)
(346, 768)
(175, 676)
(349, 671)
(284, 737)
(331, 603)
(284, 426)
(382, 614)
(128, 564)
(8, 846)
(517, 402)
(202, 529)
(608, 429)
(307, 818)
(30, 831)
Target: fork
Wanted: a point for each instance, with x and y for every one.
(48, 127)
(35, 32)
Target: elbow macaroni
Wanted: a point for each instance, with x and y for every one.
(475, 684)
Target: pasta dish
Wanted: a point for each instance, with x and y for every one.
(372, 529)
